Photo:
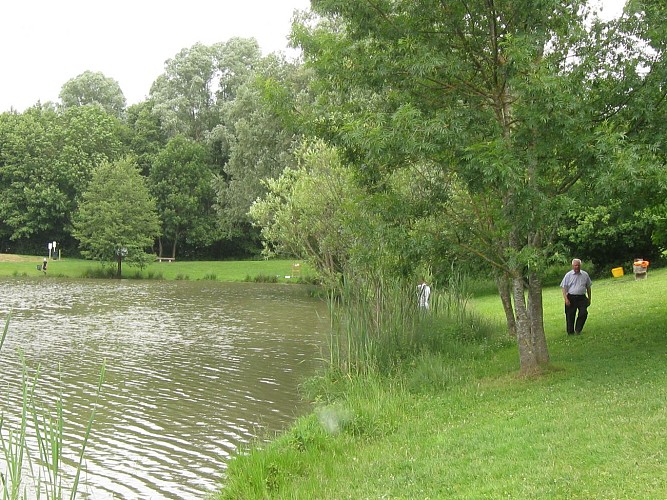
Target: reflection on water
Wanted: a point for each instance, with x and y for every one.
(194, 369)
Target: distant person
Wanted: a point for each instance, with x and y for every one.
(44, 265)
(576, 287)
(423, 294)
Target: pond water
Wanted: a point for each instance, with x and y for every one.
(193, 371)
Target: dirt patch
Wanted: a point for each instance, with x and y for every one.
(8, 257)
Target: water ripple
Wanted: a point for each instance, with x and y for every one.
(193, 371)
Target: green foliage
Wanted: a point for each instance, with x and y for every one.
(308, 211)
(185, 95)
(609, 236)
(255, 140)
(180, 180)
(489, 99)
(659, 236)
(93, 88)
(146, 136)
(117, 218)
(46, 162)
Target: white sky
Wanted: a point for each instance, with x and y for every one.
(45, 43)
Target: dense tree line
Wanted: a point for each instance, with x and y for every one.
(203, 140)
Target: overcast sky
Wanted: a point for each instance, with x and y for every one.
(45, 43)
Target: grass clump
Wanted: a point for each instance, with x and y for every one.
(99, 272)
(262, 278)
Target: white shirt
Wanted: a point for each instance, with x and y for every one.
(576, 283)
(424, 292)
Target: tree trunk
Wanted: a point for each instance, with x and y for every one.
(505, 292)
(537, 318)
(159, 245)
(173, 249)
(120, 261)
(527, 357)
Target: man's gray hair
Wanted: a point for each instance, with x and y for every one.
(576, 260)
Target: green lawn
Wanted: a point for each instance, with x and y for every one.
(273, 269)
(593, 426)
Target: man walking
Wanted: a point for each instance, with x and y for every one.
(576, 287)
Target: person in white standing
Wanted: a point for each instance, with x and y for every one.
(576, 288)
(423, 294)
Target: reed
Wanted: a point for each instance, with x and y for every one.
(44, 426)
(376, 324)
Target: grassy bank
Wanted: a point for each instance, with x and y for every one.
(465, 425)
(255, 270)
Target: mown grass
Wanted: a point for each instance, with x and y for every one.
(593, 425)
(273, 270)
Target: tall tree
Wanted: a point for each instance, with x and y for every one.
(196, 80)
(256, 140)
(146, 134)
(46, 161)
(634, 87)
(181, 181)
(498, 94)
(92, 87)
(117, 218)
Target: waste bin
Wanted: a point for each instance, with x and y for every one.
(640, 268)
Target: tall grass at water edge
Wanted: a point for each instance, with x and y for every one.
(381, 344)
(39, 473)
(461, 423)
(376, 324)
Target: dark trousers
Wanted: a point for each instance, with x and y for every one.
(578, 309)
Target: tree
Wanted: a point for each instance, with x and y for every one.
(117, 218)
(181, 181)
(197, 80)
(94, 88)
(637, 108)
(489, 93)
(46, 161)
(308, 212)
(256, 140)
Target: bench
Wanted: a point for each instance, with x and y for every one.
(168, 259)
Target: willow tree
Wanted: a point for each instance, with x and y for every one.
(497, 95)
(197, 80)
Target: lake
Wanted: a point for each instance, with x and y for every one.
(194, 370)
